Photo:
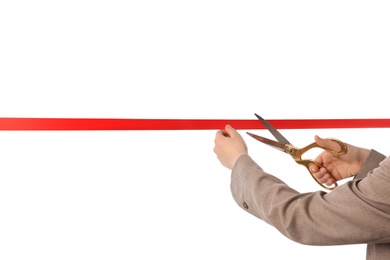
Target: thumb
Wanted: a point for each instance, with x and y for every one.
(327, 144)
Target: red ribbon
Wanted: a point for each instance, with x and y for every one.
(180, 124)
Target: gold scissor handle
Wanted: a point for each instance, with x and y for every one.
(296, 153)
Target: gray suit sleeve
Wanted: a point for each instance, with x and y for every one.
(372, 162)
(355, 212)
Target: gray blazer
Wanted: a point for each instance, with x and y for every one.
(360, 208)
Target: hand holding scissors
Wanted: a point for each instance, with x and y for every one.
(296, 153)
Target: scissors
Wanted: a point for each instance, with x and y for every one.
(284, 145)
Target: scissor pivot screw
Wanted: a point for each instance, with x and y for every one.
(289, 150)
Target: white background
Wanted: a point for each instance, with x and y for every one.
(163, 194)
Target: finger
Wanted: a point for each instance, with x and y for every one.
(324, 179)
(330, 182)
(320, 173)
(314, 168)
(220, 133)
(231, 131)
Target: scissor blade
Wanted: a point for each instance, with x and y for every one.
(267, 141)
(273, 131)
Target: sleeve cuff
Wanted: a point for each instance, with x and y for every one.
(372, 162)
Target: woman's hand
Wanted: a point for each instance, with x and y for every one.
(229, 145)
(336, 168)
